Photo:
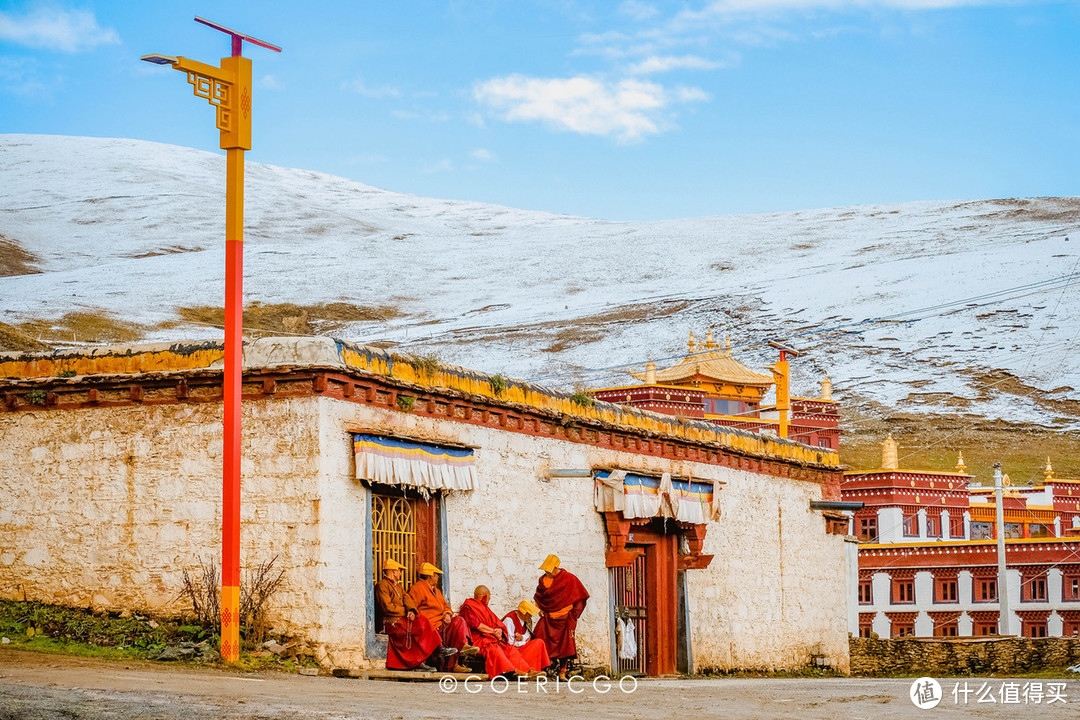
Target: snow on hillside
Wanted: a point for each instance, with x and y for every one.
(136, 228)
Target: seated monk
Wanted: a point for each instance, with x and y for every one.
(429, 602)
(517, 626)
(411, 639)
(489, 636)
(561, 597)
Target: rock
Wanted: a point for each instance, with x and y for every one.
(209, 653)
(168, 654)
(125, 613)
(4, 641)
(153, 625)
(274, 647)
(312, 672)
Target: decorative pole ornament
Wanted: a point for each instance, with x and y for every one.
(228, 89)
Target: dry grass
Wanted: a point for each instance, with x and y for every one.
(12, 339)
(15, 260)
(931, 442)
(289, 318)
(81, 326)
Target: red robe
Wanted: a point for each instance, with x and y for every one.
(534, 651)
(410, 642)
(500, 656)
(563, 593)
(431, 604)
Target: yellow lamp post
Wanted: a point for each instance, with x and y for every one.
(228, 89)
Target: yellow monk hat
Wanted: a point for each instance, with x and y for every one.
(528, 607)
(550, 563)
(392, 564)
(429, 569)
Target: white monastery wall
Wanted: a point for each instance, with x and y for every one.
(107, 506)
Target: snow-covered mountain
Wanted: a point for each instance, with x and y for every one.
(960, 306)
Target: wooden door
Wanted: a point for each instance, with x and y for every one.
(647, 592)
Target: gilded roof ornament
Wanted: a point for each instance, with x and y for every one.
(1049, 471)
(691, 346)
(960, 466)
(710, 344)
(890, 454)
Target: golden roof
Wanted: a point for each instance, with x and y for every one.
(715, 363)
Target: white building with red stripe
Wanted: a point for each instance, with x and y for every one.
(928, 553)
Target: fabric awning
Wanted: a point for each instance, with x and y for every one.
(643, 496)
(395, 461)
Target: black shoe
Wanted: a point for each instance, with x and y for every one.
(445, 652)
(423, 668)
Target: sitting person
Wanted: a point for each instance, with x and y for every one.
(490, 637)
(411, 639)
(518, 623)
(429, 602)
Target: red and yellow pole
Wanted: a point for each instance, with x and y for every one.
(228, 89)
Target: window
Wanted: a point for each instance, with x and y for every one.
(1034, 588)
(866, 625)
(866, 591)
(1070, 628)
(984, 589)
(1034, 628)
(982, 531)
(868, 529)
(1070, 587)
(824, 443)
(903, 628)
(1038, 530)
(911, 525)
(903, 591)
(956, 526)
(951, 629)
(945, 590)
(716, 406)
(983, 627)
(933, 525)
(1014, 531)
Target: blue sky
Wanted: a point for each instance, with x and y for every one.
(622, 110)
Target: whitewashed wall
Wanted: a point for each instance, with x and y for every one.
(106, 506)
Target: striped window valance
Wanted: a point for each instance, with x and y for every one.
(644, 496)
(397, 461)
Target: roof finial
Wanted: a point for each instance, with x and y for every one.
(727, 343)
(960, 466)
(691, 346)
(889, 453)
(1049, 472)
(826, 389)
(650, 372)
(710, 344)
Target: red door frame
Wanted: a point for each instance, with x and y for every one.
(661, 597)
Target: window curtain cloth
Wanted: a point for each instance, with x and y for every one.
(392, 461)
(641, 496)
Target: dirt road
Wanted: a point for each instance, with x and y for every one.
(49, 686)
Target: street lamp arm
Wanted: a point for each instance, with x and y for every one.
(215, 73)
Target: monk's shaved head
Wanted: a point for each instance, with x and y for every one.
(481, 592)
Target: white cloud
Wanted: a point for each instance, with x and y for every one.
(269, 82)
(637, 10)
(19, 76)
(482, 154)
(660, 64)
(53, 28)
(627, 110)
(443, 165)
(360, 87)
(730, 7)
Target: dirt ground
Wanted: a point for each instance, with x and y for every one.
(36, 686)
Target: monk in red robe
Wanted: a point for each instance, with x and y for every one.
(429, 602)
(561, 597)
(411, 639)
(488, 634)
(518, 626)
